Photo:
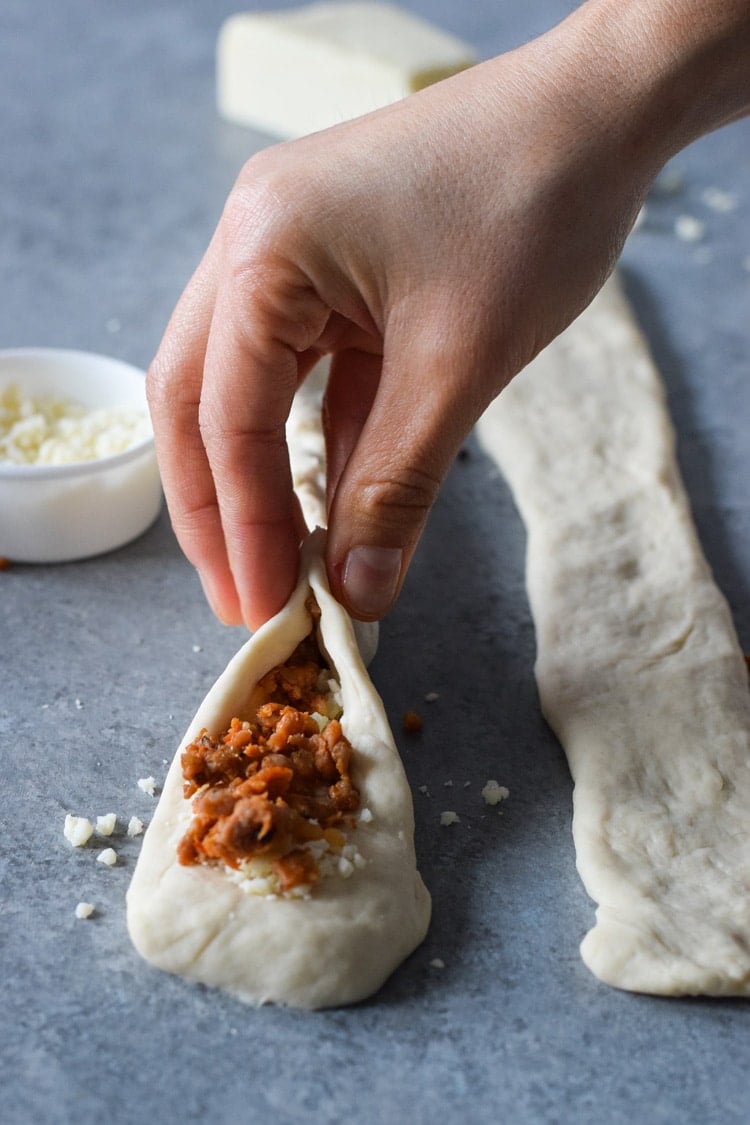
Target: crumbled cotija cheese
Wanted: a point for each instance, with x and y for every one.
(256, 876)
(135, 826)
(85, 909)
(147, 785)
(37, 430)
(78, 830)
(105, 825)
(719, 200)
(107, 857)
(689, 229)
(494, 793)
(449, 817)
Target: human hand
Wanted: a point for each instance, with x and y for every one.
(432, 248)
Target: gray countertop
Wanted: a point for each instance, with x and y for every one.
(113, 171)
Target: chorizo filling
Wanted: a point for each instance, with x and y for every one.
(273, 795)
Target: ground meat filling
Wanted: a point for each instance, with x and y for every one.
(270, 784)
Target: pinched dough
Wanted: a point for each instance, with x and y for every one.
(340, 944)
(639, 670)
(307, 457)
(307, 448)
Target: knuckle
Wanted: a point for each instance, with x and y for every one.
(161, 388)
(252, 197)
(270, 237)
(251, 241)
(227, 440)
(191, 523)
(258, 207)
(394, 500)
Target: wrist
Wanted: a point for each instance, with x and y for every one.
(667, 71)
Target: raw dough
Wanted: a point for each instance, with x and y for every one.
(307, 447)
(307, 457)
(639, 670)
(339, 945)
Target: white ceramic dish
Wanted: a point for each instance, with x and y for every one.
(57, 513)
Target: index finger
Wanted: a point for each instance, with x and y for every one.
(257, 338)
(174, 384)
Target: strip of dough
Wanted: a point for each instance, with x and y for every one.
(307, 457)
(339, 945)
(639, 670)
(307, 447)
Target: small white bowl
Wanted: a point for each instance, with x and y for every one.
(57, 513)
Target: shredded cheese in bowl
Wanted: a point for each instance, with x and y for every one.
(78, 471)
(45, 430)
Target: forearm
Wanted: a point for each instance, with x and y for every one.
(692, 60)
(653, 74)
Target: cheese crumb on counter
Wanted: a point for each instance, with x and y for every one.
(147, 785)
(39, 430)
(437, 963)
(449, 817)
(108, 857)
(105, 825)
(78, 830)
(135, 826)
(85, 909)
(688, 228)
(493, 793)
(718, 200)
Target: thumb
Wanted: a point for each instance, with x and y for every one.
(417, 420)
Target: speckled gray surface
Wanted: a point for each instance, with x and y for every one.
(113, 172)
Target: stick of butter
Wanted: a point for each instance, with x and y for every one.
(296, 71)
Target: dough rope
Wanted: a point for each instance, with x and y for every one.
(307, 456)
(307, 447)
(639, 670)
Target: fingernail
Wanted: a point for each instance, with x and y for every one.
(370, 579)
